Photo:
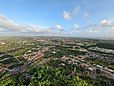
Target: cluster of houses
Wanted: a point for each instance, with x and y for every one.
(6, 61)
(102, 50)
(34, 52)
(79, 61)
(104, 57)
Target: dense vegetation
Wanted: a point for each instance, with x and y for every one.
(50, 70)
(43, 76)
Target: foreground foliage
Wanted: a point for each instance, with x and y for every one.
(43, 76)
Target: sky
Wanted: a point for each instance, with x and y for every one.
(74, 18)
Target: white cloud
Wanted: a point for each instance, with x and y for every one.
(107, 26)
(75, 27)
(12, 26)
(93, 31)
(67, 15)
(58, 27)
(104, 29)
(107, 23)
(8, 24)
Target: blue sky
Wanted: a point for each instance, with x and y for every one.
(79, 18)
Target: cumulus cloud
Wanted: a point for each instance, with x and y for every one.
(57, 28)
(104, 29)
(13, 26)
(8, 24)
(68, 15)
(76, 26)
(107, 26)
(107, 23)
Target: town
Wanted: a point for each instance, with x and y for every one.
(89, 59)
